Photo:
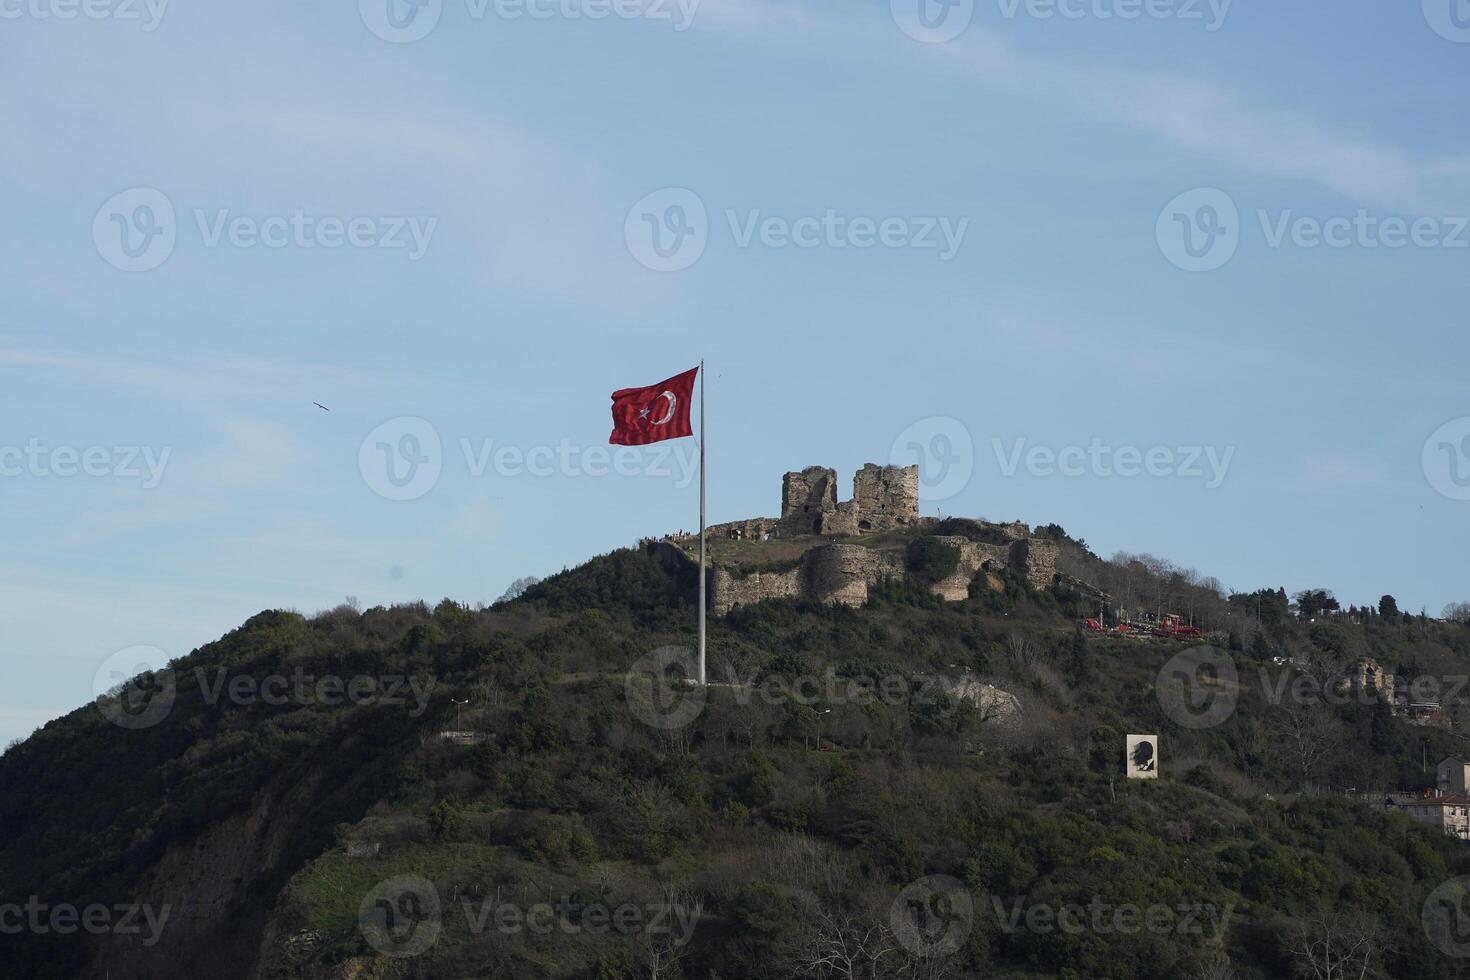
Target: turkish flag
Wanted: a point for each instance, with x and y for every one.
(655, 413)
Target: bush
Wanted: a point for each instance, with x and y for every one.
(931, 560)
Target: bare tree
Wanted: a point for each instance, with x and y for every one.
(488, 692)
(1022, 650)
(1457, 612)
(1325, 668)
(1337, 945)
(753, 721)
(663, 945)
(844, 946)
(1219, 969)
(518, 588)
(1303, 736)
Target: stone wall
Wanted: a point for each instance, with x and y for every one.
(1030, 557)
(843, 574)
(728, 590)
(1037, 559)
(840, 574)
(756, 529)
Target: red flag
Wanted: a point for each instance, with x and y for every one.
(655, 413)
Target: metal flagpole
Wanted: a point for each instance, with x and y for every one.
(702, 679)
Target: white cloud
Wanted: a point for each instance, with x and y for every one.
(1196, 113)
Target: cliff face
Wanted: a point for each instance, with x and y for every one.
(203, 886)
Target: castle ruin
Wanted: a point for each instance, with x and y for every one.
(884, 499)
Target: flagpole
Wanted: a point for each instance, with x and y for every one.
(702, 677)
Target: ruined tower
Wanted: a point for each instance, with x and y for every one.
(883, 498)
(808, 501)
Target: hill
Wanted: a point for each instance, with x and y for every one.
(452, 792)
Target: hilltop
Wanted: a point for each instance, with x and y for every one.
(839, 762)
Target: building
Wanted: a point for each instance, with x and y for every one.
(1452, 776)
(1449, 814)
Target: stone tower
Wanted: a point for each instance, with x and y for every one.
(883, 498)
(808, 501)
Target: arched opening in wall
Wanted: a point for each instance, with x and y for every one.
(817, 525)
(865, 525)
(987, 565)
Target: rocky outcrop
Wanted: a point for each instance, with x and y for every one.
(998, 707)
(203, 885)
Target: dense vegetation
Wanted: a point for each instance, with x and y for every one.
(832, 767)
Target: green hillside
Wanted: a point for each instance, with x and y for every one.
(831, 808)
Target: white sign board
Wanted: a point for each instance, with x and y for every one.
(1142, 761)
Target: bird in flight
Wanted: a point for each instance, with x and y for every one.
(321, 406)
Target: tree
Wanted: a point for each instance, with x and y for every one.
(661, 947)
(518, 588)
(1388, 608)
(1217, 969)
(1079, 666)
(844, 946)
(1343, 944)
(1265, 605)
(1023, 652)
(1457, 612)
(1312, 602)
(1303, 737)
(1259, 650)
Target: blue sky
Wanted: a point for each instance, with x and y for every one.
(1060, 152)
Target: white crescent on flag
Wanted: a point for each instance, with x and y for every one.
(673, 407)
